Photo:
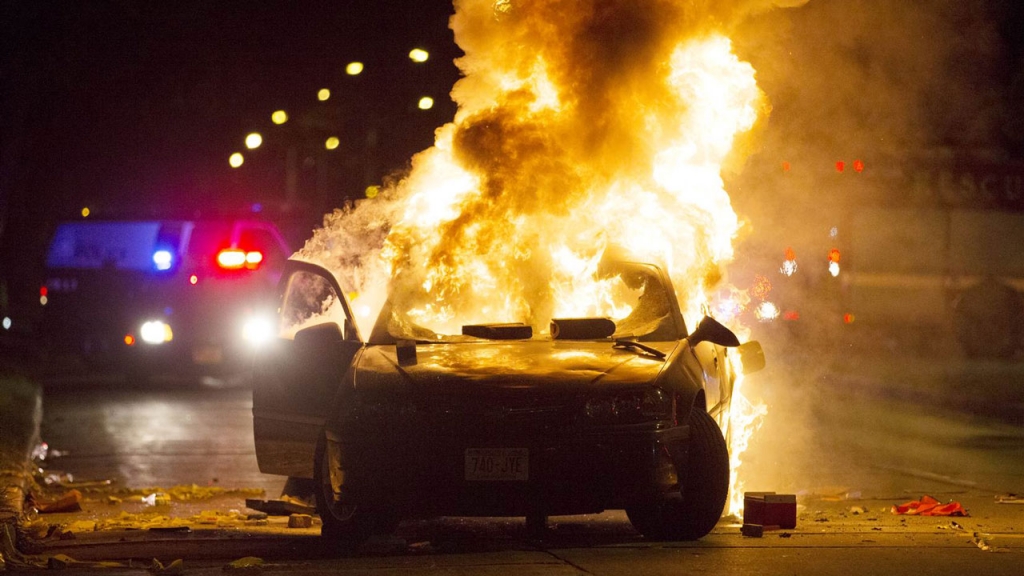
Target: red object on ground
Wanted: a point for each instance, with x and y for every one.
(769, 510)
(71, 501)
(928, 506)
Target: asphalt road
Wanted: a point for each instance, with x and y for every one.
(169, 433)
(840, 442)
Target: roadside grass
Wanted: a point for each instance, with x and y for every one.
(20, 413)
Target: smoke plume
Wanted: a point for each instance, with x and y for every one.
(582, 125)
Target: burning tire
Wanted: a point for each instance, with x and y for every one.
(695, 510)
(989, 320)
(345, 525)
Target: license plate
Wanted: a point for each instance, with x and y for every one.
(496, 464)
(207, 355)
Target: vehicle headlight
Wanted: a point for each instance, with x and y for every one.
(156, 332)
(257, 330)
(630, 406)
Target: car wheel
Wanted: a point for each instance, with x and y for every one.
(695, 510)
(344, 524)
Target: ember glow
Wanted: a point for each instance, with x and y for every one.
(582, 128)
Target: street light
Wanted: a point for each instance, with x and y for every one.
(419, 55)
(332, 143)
(426, 103)
(323, 94)
(279, 117)
(236, 160)
(354, 68)
(253, 140)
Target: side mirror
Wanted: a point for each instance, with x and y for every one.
(710, 330)
(751, 356)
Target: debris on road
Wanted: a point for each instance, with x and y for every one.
(81, 526)
(172, 569)
(83, 484)
(246, 563)
(857, 510)
(70, 501)
(770, 510)
(752, 530)
(190, 492)
(39, 451)
(300, 521)
(1009, 499)
(981, 541)
(928, 506)
(63, 562)
(284, 506)
(58, 479)
(421, 547)
(157, 499)
(38, 529)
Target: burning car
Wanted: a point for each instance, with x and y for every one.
(501, 419)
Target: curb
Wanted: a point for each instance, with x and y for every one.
(21, 411)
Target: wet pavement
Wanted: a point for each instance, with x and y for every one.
(168, 433)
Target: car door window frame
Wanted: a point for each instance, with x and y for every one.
(296, 267)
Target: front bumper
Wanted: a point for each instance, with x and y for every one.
(577, 474)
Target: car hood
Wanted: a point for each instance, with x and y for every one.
(512, 365)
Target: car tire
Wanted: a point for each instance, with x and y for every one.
(344, 526)
(695, 510)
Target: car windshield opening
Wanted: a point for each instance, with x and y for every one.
(634, 297)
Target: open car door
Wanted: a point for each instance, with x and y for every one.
(299, 376)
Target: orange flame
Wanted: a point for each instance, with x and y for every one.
(582, 127)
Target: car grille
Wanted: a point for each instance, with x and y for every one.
(504, 415)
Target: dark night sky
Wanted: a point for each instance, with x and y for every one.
(147, 98)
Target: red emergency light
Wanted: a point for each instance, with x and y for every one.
(235, 259)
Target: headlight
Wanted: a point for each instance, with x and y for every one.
(630, 406)
(257, 330)
(156, 332)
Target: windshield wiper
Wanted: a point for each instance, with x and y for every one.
(626, 344)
